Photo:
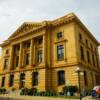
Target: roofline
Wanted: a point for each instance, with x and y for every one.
(87, 30)
(59, 21)
(72, 16)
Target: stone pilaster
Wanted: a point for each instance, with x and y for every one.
(11, 58)
(31, 52)
(44, 48)
(20, 54)
(34, 54)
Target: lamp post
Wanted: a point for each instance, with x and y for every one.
(78, 71)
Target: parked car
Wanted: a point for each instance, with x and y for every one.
(96, 91)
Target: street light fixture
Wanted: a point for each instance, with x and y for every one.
(78, 71)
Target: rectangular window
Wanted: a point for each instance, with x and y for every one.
(80, 37)
(11, 80)
(40, 40)
(39, 55)
(88, 56)
(86, 41)
(17, 61)
(93, 60)
(22, 80)
(3, 82)
(34, 78)
(82, 53)
(59, 35)
(5, 63)
(27, 56)
(97, 78)
(97, 61)
(91, 47)
(60, 52)
(61, 77)
(85, 78)
(7, 51)
(27, 44)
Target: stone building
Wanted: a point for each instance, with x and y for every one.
(46, 55)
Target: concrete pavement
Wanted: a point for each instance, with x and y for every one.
(19, 97)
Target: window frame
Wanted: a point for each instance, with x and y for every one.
(11, 80)
(61, 77)
(17, 61)
(80, 37)
(39, 55)
(88, 57)
(60, 35)
(6, 62)
(3, 81)
(27, 58)
(85, 78)
(60, 52)
(82, 53)
(35, 78)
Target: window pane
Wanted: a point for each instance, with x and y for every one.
(22, 80)
(3, 82)
(85, 78)
(60, 52)
(34, 78)
(39, 56)
(27, 59)
(11, 80)
(5, 63)
(88, 56)
(61, 77)
(82, 52)
(17, 61)
(59, 35)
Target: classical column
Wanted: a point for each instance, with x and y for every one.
(44, 48)
(34, 54)
(11, 58)
(20, 54)
(31, 52)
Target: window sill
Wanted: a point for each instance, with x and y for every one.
(61, 84)
(61, 40)
(58, 60)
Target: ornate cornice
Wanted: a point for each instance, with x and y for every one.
(29, 27)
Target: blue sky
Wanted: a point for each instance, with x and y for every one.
(14, 12)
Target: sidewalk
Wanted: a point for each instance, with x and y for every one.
(19, 97)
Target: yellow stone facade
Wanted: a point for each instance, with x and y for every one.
(25, 40)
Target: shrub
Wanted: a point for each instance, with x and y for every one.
(50, 93)
(24, 91)
(2, 90)
(61, 93)
(71, 89)
(42, 93)
(32, 91)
